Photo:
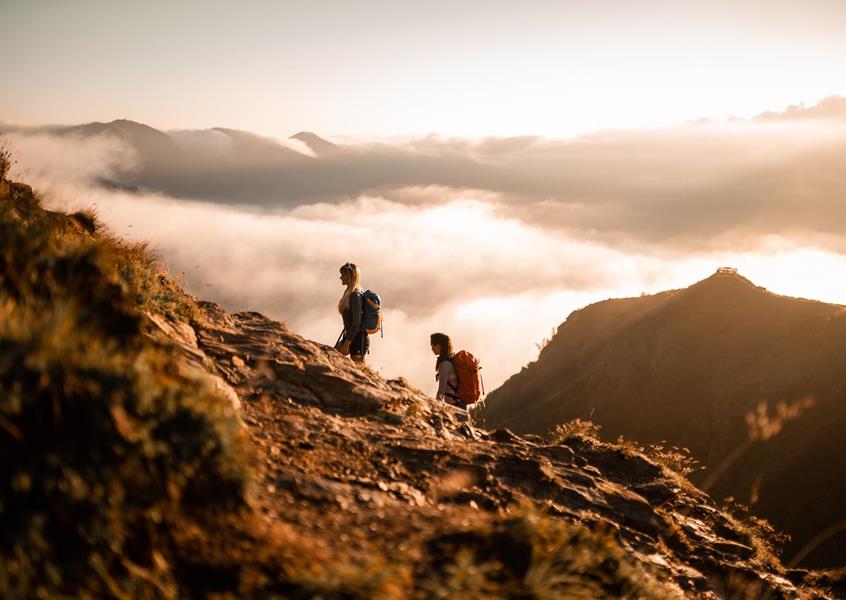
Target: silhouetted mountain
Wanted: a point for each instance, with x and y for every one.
(206, 164)
(690, 366)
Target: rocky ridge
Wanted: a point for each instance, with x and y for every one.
(360, 465)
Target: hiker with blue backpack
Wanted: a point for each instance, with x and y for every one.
(361, 313)
(457, 373)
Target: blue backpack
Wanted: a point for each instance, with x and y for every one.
(372, 306)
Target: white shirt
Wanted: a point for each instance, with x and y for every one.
(447, 381)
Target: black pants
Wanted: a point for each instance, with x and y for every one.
(360, 344)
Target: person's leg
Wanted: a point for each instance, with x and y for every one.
(358, 349)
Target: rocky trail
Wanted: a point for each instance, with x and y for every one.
(357, 466)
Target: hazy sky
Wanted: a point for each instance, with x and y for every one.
(379, 68)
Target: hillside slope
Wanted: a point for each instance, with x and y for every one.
(152, 446)
(689, 366)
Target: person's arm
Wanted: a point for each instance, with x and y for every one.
(356, 308)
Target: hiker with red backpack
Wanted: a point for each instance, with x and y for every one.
(457, 373)
(362, 315)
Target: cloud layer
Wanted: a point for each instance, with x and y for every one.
(494, 241)
(777, 173)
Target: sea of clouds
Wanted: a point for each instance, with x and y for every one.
(493, 241)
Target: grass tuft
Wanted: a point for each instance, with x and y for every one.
(577, 428)
(88, 220)
(529, 554)
(675, 458)
(5, 161)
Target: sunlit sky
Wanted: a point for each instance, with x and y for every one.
(636, 202)
(384, 68)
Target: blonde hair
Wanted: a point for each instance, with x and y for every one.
(354, 285)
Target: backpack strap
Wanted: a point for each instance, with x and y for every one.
(363, 326)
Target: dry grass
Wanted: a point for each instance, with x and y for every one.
(675, 458)
(759, 532)
(678, 460)
(5, 160)
(761, 426)
(577, 428)
(104, 448)
(528, 554)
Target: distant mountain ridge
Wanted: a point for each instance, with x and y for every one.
(688, 366)
(154, 145)
(217, 164)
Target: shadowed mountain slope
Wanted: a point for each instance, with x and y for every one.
(689, 367)
(154, 148)
(242, 168)
(153, 446)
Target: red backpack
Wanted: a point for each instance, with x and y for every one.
(470, 386)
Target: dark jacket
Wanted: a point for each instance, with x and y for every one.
(352, 317)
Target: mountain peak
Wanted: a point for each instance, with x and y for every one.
(138, 134)
(153, 146)
(129, 123)
(120, 125)
(726, 278)
(316, 144)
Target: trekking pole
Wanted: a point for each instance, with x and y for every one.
(475, 406)
(482, 380)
